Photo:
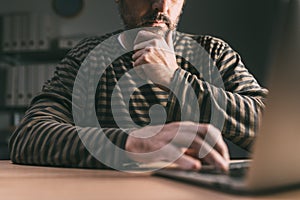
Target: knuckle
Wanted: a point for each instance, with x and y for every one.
(144, 57)
(205, 127)
(173, 124)
(190, 123)
(141, 33)
(149, 49)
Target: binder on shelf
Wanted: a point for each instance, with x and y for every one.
(47, 31)
(7, 28)
(21, 87)
(33, 81)
(41, 78)
(69, 42)
(3, 78)
(24, 31)
(32, 41)
(16, 32)
(24, 82)
(11, 86)
(30, 83)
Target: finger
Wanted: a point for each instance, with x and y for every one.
(146, 44)
(214, 137)
(173, 154)
(222, 148)
(201, 150)
(155, 37)
(141, 61)
(191, 152)
(158, 43)
(213, 157)
(169, 40)
(186, 162)
(152, 60)
(187, 136)
(154, 45)
(137, 54)
(145, 35)
(182, 134)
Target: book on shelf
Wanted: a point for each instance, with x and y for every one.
(11, 86)
(47, 31)
(25, 31)
(68, 42)
(32, 41)
(30, 82)
(6, 43)
(16, 32)
(24, 82)
(21, 86)
(3, 75)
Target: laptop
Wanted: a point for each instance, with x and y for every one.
(275, 161)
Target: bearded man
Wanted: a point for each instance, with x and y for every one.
(186, 91)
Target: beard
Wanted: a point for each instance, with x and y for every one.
(130, 21)
(156, 16)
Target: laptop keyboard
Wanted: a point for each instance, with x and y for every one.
(236, 169)
(239, 169)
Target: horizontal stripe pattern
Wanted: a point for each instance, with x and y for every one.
(48, 136)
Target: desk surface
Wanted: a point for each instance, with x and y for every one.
(28, 182)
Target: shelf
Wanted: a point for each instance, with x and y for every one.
(13, 108)
(37, 60)
(36, 56)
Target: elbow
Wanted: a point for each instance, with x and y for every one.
(18, 143)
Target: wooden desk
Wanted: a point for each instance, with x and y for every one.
(29, 182)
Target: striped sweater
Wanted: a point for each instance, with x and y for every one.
(62, 119)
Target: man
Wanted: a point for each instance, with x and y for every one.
(59, 130)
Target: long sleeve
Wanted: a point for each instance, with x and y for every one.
(235, 105)
(48, 135)
(62, 125)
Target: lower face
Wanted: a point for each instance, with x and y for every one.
(138, 13)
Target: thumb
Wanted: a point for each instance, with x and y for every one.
(169, 39)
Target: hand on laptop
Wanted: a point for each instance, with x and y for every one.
(167, 143)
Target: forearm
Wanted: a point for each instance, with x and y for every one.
(237, 115)
(46, 136)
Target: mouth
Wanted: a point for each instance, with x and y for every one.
(155, 20)
(154, 23)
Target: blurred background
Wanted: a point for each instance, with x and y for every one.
(36, 34)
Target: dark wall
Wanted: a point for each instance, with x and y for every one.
(247, 25)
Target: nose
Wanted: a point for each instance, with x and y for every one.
(160, 5)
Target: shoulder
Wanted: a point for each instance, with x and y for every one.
(203, 39)
(85, 46)
(212, 45)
